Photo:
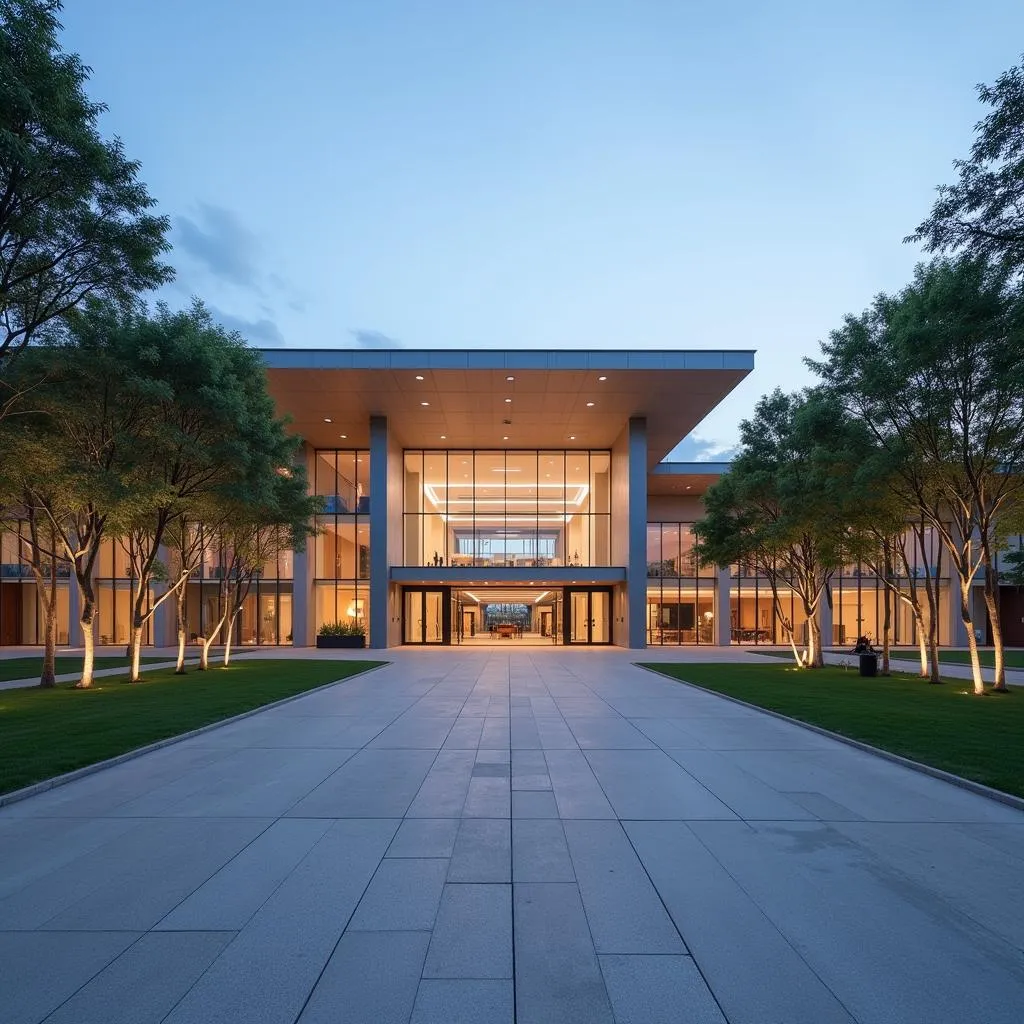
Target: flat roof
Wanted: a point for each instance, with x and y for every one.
(558, 399)
(692, 478)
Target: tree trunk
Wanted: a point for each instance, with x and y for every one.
(48, 676)
(972, 640)
(180, 611)
(135, 674)
(992, 607)
(227, 639)
(87, 622)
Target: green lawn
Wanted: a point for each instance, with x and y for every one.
(1013, 658)
(47, 732)
(980, 738)
(28, 668)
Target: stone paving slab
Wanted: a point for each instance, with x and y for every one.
(502, 836)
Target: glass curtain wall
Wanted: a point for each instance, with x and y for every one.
(858, 596)
(341, 548)
(20, 619)
(753, 617)
(114, 596)
(507, 508)
(266, 615)
(680, 594)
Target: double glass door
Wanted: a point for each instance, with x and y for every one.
(589, 618)
(426, 616)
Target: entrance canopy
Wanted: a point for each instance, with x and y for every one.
(456, 398)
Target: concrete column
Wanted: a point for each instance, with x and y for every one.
(825, 621)
(723, 608)
(636, 569)
(380, 498)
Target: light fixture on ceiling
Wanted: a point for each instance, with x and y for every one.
(602, 378)
(590, 405)
(510, 378)
(507, 400)
(344, 437)
(572, 437)
(687, 486)
(505, 438)
(424, 403)
(419, 376)
(327, 419)
(444, 437)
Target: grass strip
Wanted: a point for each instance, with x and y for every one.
(44, 733)
(979, 738)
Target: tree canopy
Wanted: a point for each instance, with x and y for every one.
(982, 213)
(74, 218)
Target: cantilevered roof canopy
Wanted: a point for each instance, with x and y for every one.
(558, 399)
(684, 478)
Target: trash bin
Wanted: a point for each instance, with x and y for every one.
(869, 664)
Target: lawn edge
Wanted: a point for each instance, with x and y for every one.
(17, 795)
(919, 766)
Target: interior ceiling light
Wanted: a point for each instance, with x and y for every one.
(510, 378)
(507, 400)
(424, 403)
(505, 438)
(419, 376)
(327, 419)
(444, 437)
(590, 405)
(344, 437)
(572, 437)
(602, 378)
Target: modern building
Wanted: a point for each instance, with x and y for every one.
(476, 496)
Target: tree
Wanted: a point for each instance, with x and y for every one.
(982, 214)
(256, 532)
(778, 505)
(936, 374)
(74, 219)
(87, 418)
(212, 440)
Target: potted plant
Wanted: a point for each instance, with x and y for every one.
(341, 634)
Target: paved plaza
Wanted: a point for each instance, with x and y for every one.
(489, 836)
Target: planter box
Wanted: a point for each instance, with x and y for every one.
(340, 641)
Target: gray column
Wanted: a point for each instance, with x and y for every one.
(379, 547)
(636, 569)
(723, 607)
(825, 621)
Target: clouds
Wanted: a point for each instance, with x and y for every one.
(261, 332)
(694, 448)
(374, 339)
(222, 244)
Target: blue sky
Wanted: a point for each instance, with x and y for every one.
(545, 173)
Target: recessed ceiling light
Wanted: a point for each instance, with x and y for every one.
(505, 438)
(327, 419)
(419, 376)
(510, 378)
(507, 400)
(572, 437)
(602, 378)
(444, 437)
(424, 403)
(344, 437)
(590, 405)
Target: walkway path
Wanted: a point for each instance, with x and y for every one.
(548, 837)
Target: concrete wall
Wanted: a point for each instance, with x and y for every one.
(629, 531)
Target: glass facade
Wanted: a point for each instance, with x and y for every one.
(340, 551)
(507, 508)
(680, 593)
(20, 619)
(266, 614)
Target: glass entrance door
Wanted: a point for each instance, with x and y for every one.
(426, 616)
(588, 618)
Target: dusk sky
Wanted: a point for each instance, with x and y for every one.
(545, 173)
